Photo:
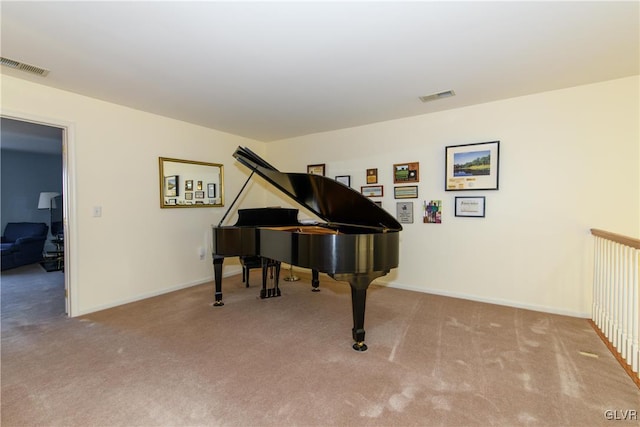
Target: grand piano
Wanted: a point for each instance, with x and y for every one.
(355, 242)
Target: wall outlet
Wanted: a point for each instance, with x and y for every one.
(201, 253)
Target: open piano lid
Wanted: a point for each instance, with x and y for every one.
(330, 200)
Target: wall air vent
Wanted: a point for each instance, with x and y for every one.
(23, 67)
(439, 95)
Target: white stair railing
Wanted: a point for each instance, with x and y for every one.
(616, 297)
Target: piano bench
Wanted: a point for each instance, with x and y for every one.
(249, 262)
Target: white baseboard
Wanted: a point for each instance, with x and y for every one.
(227, 273)
(497, 301)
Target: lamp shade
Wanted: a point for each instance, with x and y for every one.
(45, 199)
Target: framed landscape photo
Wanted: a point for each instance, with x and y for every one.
(470, 206)
(316, 169)
(472, 166)
(372, 190)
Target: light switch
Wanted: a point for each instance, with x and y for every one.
(97, 211)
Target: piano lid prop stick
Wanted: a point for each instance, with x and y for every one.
(236, 199)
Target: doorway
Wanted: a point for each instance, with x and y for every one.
(44, 143)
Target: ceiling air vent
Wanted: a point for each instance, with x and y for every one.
(23, 67)
(439, 95)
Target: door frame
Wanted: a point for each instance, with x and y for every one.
(69, 200)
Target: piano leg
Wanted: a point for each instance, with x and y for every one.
(315, 281)
(358, 301)
(217, 273)
(359, 284)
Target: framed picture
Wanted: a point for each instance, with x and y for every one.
(405, 192)
(372, 176)
(211, 191)
(406, 172)
(172, 202)
(188, 195)
(199, 195)
(171, 186)
(404, 212)
(199, 187)
(372, 190)
(472, 166)
(470, 206)
(432, 212)
(188, 185)
(344, 179)
(378, 203)
(316, 169)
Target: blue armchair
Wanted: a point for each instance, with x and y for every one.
(23, 243)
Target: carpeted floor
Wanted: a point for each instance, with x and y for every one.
(174, 360)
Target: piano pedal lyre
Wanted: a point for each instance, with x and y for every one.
(270, 272)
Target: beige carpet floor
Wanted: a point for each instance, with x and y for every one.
(174, 360)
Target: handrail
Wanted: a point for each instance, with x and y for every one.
(618, 238)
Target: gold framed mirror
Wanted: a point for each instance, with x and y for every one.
(190, 184)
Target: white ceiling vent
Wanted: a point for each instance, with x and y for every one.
(439, 95)
(23, 67)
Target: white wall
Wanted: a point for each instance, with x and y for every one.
(135, 249)
(569, 161)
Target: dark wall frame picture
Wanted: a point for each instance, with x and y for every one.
(199, 194)
(472, 166)
(470, 206)
(344, 179)
(405, 192)
(372, 190)
(372, 176)
(406, 172)
(318, 169)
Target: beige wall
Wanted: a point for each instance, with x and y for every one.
(569, 161)
(135, 249)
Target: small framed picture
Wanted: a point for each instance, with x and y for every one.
(405, 192)
(372, 176)
(199, 194)
(406, 172)
(199, 187)
(172, 201)
(470, 206)
(171, 186)
(188, 185)
(472, 166)
(316, 169)
(344, 179)
(211, 191)
(372, 190)
(188, 195)
(404, 212)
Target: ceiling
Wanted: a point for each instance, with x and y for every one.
(274, 70)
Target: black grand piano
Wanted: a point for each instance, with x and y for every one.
(357, 243)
